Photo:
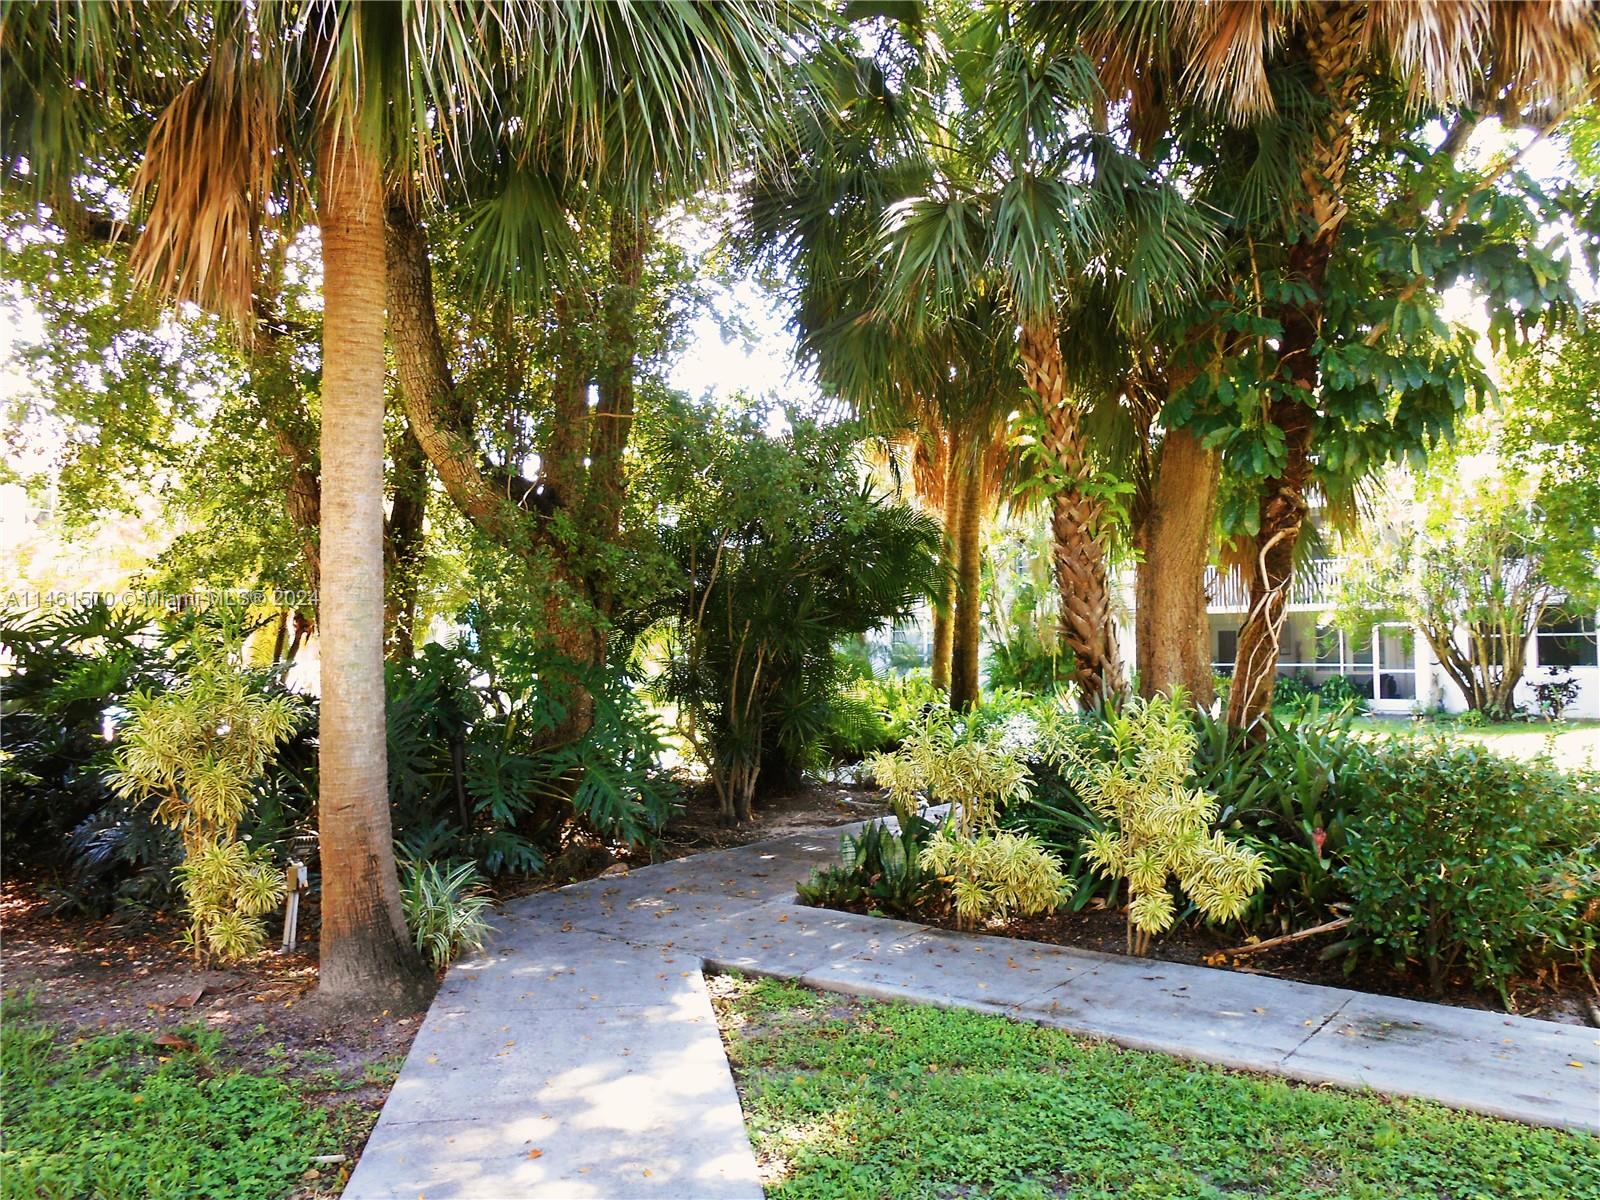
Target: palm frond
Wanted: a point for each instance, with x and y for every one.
(207, 182)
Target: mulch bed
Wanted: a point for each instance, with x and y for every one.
(1563, 996)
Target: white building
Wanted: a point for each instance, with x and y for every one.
(1392, 666)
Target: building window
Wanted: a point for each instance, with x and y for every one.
(1566, 641)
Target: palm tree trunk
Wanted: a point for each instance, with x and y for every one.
(1333, 49)
(1075, 522)
(945, 611)
(1173, 650)
(969, 583)
(367, 956)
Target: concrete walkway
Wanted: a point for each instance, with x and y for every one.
(578, 1055)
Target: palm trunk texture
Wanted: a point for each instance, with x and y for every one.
(969, 584)
(1333, 49)
(367, 957)
(944, 613)
(1075, 523)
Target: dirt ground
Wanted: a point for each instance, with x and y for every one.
(1565, 996)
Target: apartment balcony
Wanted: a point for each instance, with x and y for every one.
(1314, 586)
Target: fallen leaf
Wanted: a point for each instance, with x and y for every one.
(173, 1040)
(536, 1153)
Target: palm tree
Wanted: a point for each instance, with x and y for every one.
(1045, 208)
(213, 173)
(1528, 60)
(814, 214)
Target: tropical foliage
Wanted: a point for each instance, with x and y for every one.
(776, 551)
(379, 312)
(1133, 774)
(195, 751)
(1460, 858)
(445, 909)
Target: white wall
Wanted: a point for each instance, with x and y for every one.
(1442, 689)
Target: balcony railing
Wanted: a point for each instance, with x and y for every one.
(1313, 587)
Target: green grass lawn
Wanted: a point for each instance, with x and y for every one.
(117, 1115)
(1574, 744)
(848, 1099)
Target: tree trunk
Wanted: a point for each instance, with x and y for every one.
(1173, 648)
(964, 637)
(403, 533)
(1076, 523)
(630, 239)
(567, 442)
(1332, 48)
(1283, 506)
(438, 420)
(367, 956)
(944, 612)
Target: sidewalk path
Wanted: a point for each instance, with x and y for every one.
(578, 1056)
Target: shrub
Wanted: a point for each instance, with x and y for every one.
(995, 874)
(976, 775)
(1292, 692)
(1157, 829)
(70, 681)
(983, 870)
(1461, 857)
(1556, 694)
(444, 909)
(1024, 662)
(880, 870)
(68, 670)
(1289, 789)
(197, 750)
(476, 769)
(856, 725)
(1338, 692)
(774, 550)
(904, 703)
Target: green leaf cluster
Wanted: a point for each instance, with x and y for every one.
(1461, 859)
(196, 750)
(1158, 830)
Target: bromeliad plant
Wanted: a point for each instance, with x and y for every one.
(1134, 777)
(197, 750)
